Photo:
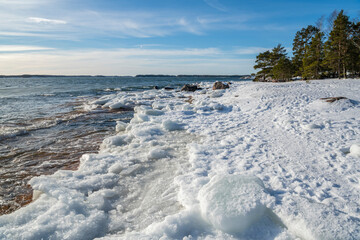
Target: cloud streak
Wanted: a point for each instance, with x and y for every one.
(22, 48)
(45, 20)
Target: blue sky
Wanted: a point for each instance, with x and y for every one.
(118, 37)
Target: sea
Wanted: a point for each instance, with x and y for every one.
(45, 125)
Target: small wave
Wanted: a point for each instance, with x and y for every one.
(11, 133)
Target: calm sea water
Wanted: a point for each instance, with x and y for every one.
(43, 127)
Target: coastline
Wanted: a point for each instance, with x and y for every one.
(287, 153)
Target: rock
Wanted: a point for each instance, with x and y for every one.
(220, 85)
(156, 87)
(190, 88)
(332, 99)
(168, 88)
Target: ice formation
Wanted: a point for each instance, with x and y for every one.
(255, 161)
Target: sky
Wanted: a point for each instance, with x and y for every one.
(129, 37)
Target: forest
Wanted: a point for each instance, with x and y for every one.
(330, 49)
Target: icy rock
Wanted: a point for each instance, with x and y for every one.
(190, 88)
(172, 125)
(355, 150)
(220, 85)
(232, 203)
(120, 126)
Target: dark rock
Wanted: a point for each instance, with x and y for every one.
(190, 88)
(332, 99)
(220, 85)
(156, 87)
(168, 88)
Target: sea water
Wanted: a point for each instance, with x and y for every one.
(45, 124)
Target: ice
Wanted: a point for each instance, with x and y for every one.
(233, 203)
(157, 153)
(355, 150)
(120, 126)
(257, 161)
(172, 125)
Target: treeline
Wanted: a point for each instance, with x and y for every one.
(318, 52)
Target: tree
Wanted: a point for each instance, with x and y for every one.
(338, 44)
(354, 49)
(267, 60)
(312, 60)
(283, 70)
(300, 43)
(263, 62)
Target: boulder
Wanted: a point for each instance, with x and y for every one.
(220, 85)
(190, 88)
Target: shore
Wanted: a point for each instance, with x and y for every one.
(255, 161)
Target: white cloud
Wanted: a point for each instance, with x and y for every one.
(216, 4)
(250, 50)
(125, 62)
(45, 20)
(21, 48)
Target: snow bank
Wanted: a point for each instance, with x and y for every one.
(232, 203)
(255, 161)
(355, 150)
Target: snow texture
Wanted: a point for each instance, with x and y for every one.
(255, 161)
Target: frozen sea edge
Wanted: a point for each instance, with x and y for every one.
(256, 161)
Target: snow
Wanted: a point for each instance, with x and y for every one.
(172, 125)
(255, 161)
(232, 203)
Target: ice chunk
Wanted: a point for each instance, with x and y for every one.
(116, 141)
(117, 105)
(120, 126)
(172, 125)
(232, 203)
(355, 150)
(218, 93)
(158, 153)
(139, 118)
(153, 112)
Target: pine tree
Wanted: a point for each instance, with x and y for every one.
(337, 46)
(312, 60)
(267, 60)
(283, 69)
(263, 62)
(300, 43)
(354, 49)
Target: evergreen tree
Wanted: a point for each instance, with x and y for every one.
(266, 61)
(283, 69)
(338, 44)
(301, 42)
(354, 49)
(312, 60)
(263, 62)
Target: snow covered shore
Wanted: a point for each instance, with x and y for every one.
(256, 161)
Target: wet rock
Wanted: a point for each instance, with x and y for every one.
(168, 88)
(220, 85)
(190, 88)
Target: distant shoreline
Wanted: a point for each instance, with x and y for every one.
(245, 76)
